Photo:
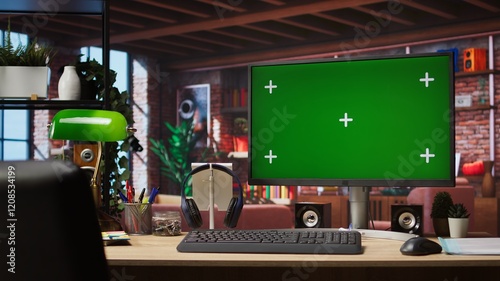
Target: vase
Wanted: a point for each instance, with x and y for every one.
(240, 143)
(69, 87)
(458, 227)
(488, 185)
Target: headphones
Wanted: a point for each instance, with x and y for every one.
(190, 210)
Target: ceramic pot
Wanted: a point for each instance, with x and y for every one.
(69, 87)
(441, 227)
(458, 227)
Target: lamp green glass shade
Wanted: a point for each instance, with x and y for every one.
(88, 125)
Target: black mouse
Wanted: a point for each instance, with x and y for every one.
(416, 246)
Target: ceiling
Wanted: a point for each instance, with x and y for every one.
(220, 33)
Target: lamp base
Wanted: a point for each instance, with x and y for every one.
(107, 222)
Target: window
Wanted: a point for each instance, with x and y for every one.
(15, 143)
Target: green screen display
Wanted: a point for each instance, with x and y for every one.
(373, 121)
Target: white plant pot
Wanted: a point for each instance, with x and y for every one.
(458, 227)
(69, 87)
(24, 81)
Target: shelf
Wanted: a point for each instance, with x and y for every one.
(236, 154)
(474, 73)
(242, 109)
(476, 107)
(50, 104)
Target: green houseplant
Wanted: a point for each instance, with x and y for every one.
(458, 220)
(16, 64)
(91, 74)
(178, 154)
(439, 213)
(457, 211)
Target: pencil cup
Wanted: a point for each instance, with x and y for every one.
(138, 218)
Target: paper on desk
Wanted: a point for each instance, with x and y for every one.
(471, 246)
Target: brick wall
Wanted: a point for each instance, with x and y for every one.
(472, 124)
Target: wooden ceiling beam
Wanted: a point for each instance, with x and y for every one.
(246, 18)
(188, 10)
(484, 5)
(241, 36)
(274, 32)
(308, 27)
(339, 46)
(426, 8)
(392, 17)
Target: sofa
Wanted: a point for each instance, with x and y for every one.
(253, 216)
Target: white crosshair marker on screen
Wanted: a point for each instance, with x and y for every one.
(427, 155)
(271, 156)
(346, 120)
(426, 79)
(270, 87)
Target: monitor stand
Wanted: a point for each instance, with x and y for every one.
(359, 202)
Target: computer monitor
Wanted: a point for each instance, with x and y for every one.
(50, 229)
(361, 122)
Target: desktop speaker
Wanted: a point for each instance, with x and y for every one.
(474, 59)
(85, 155)
(313, 215)
(407, 219)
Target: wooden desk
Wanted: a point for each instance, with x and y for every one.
(156, 258)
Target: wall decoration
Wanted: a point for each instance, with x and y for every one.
(193, 103)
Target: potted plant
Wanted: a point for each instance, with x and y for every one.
(240, 134)
(178, 154)
(24, 63)
(439, 213)
(458, 220)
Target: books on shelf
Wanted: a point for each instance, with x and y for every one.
(236, 97)
(272, 192)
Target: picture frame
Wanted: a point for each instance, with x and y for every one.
(193, 103)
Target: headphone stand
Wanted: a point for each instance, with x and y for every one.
(211, 198)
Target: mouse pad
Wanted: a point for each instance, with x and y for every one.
(471, 246)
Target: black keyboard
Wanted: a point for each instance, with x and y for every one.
(292, 241)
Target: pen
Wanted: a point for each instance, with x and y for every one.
(123, 197)
(153, 194)
(130, 196)
(141, 195)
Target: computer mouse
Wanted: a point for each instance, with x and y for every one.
(416, 246)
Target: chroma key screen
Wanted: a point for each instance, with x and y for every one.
(366, 121)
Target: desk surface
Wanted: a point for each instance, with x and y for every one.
(152, 250)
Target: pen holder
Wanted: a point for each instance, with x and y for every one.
(137, 218)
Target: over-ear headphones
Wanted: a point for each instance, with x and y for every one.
(190, 210)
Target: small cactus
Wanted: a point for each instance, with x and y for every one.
(458, 210)
(441, 205)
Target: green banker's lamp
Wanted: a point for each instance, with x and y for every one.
(93, 125)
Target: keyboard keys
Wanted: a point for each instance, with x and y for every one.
(324, 241)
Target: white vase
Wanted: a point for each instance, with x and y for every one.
(458, 227)
(69, 87)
